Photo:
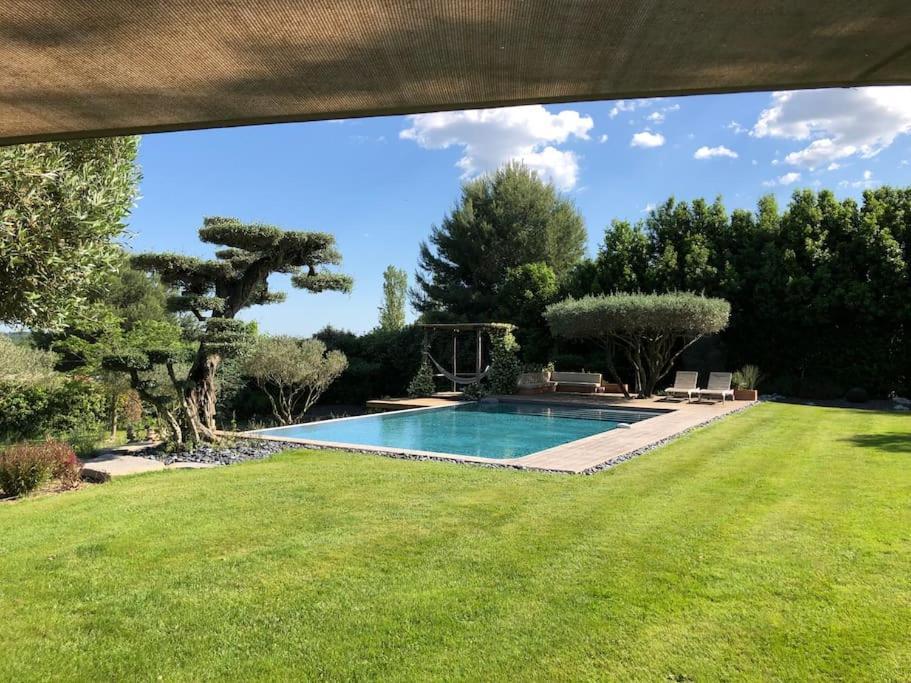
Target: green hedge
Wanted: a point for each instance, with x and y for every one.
(76, 406)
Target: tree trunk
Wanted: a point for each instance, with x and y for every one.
(200, 395)
(114, 415)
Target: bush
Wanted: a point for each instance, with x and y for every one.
(422, 383)
(33, 412)
(26, 466)
(747, 377)
(857, 395)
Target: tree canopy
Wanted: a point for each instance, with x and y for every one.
(293, 373)
(650, 330)
(62, 205)
(503, 220)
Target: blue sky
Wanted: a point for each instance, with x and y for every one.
(379, 184)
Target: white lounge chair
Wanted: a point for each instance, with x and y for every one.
(684, 385)
(718, 387)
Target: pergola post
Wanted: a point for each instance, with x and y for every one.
(455, 348)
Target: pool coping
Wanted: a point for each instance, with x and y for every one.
(587, 455)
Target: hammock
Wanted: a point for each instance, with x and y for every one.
(459, 379)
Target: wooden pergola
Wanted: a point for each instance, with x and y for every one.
(455, 329)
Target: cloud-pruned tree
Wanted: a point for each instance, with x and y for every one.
(215, 290)
(649, 330)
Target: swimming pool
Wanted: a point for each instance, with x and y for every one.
(499, 430)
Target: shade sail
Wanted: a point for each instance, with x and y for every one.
(76, 68)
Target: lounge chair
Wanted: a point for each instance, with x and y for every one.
(684, 385)
(718, 387)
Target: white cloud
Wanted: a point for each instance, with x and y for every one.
(713, 152)
(621, 106)
(625, 106)
(866, 181)
(754, 162)
(834, 166)
(648, 208)
(786, 179)
(838, 123)
(655, 117)
(903, 162)
(490, 138)
(736, 128)
(603, 138)
(647, 139)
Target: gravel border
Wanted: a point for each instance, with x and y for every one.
(243, 450)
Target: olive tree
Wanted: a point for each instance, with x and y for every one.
(649, 330)
(214, 291)
(62, 205)
(293, 373)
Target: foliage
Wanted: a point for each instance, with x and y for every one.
(380, 363)
(527, 291)
(857, 395)
(747, 377)
(26, 466)
(21, 364)
(35, 411)
(293, 373)
(395, 288)
(649, 330)
(818, 293)
(502, 221)
(215, 291)
(505, 366)
(422, 384)
(62, 204)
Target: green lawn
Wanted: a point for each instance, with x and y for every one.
(773, 545)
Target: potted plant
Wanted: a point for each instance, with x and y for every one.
(745, 381)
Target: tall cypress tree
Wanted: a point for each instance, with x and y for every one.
(215, 291)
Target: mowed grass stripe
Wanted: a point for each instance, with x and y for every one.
(774, 544)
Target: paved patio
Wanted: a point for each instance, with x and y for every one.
(583, 456)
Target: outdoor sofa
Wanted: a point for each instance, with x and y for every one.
(577, 382)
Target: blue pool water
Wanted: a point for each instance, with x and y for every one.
(487, 429)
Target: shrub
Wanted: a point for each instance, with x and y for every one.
(293, 373)
(747, 377)
(26, 466)
(33, 412)
(504, 361)
(857, 395)
(422, 383)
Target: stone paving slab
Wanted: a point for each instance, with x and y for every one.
(110, 465)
